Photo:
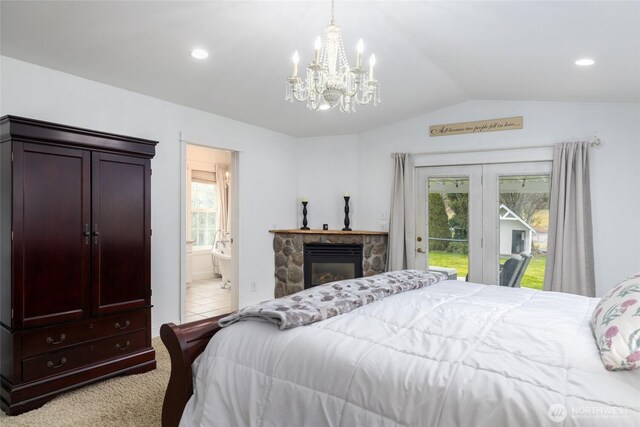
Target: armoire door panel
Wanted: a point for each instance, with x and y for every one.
(120, 232)
(51, 253)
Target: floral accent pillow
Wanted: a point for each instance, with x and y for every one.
(616, 325)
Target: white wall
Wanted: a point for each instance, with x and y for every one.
(327, 169)
(202, 265)
(267, 162)
(276, 169)
(615, 175)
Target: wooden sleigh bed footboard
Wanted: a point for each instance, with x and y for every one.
(184, 343)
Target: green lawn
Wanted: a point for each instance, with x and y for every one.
(446, 259)
(533, 277)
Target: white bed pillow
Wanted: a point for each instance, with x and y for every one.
(616, 325)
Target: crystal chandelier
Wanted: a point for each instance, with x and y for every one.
(330, 81)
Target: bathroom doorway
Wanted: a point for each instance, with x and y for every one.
(209, 256)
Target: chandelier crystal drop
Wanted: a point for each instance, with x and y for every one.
(329, 80)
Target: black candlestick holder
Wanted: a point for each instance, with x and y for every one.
(346, 214)
(304, 216)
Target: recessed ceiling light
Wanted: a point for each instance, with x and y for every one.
(585, 62)
(199, 53)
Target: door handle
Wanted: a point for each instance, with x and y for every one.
(420, 250)
(96, 234)
(86, 234)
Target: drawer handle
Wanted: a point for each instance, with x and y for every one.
(125, 326)
(51, 341)
(50, 364)
(126, 346)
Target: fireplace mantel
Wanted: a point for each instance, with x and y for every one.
(288, 248)
(335, 232)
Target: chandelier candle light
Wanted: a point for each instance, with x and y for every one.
(329, 80)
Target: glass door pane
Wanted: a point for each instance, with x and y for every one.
(523, 214)
(448, 238)
(449, 221)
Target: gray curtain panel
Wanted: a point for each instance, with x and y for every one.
(570, 245)
(402, 227)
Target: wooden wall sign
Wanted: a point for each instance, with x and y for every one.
(480, 126)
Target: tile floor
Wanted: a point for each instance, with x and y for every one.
(205, 299)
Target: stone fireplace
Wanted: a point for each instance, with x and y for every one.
(337, 254)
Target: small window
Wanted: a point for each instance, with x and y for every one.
(204, 213)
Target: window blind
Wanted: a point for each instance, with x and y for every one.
(204, 177)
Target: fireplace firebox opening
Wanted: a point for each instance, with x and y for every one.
(328, 262)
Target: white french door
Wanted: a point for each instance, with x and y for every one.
(470, 218)
(449, 198)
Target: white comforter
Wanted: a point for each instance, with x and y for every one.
(452, 354)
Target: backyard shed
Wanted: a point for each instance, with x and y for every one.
(515, 233)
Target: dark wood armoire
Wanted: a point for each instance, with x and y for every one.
(75, 259)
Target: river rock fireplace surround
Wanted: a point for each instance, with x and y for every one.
(330, 254)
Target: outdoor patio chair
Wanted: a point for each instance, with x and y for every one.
(526, 259)
(510, 271)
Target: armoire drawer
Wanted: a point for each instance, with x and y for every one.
(63, 336)
(82, 355)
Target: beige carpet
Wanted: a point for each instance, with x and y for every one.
(133, 400)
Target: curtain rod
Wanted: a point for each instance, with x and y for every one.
(596, 141)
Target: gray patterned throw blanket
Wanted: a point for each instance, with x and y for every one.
(331, 299)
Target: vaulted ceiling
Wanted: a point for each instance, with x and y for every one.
(430, 54)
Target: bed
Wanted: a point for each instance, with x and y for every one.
(451, 354)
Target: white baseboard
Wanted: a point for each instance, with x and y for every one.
(202, 275)
(155, 332)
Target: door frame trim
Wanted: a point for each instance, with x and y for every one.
(234, 212)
